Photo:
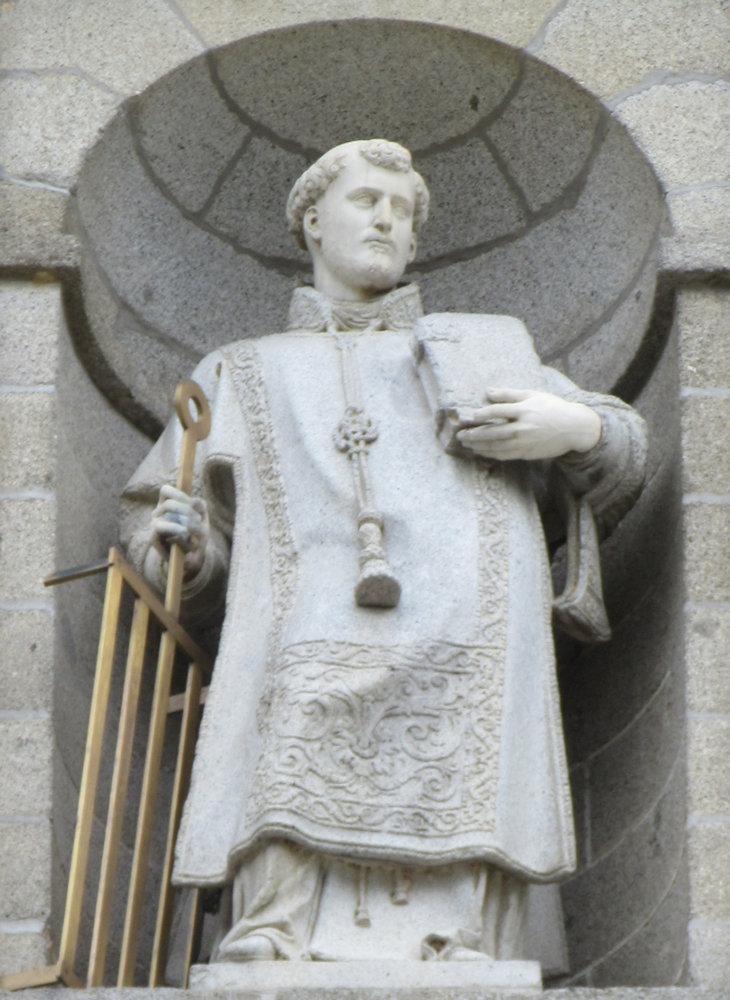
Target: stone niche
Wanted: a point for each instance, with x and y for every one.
(542, 208)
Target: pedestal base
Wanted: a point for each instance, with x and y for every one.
(406, 977)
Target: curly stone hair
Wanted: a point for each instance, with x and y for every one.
(313, 183)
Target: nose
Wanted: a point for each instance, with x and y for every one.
(383, 215)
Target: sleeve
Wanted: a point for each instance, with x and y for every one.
(611, 475)
(203, 595)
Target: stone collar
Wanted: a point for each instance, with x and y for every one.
(396, 310)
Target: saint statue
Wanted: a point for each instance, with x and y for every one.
(381, 770)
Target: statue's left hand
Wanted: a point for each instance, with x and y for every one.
(524, 424)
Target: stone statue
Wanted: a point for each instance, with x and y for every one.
(380, 770)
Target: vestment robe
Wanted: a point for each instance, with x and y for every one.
(422, 734)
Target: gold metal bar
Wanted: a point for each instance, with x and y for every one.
(193, 924)
(146, 811)
(186, 746)
(195, 428)
(168, 621)
(69, 978)
(75, 573)
(176, 702)
(46, 976)
(90, 773)
(118, 791)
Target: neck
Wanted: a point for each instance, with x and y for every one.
(338, 291)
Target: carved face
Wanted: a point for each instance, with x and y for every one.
(360, 232)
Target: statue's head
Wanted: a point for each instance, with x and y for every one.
(358, 210)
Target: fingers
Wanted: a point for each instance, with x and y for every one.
(486, 433)
(507, 395)
(179, 518)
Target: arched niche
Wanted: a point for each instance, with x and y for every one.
(543, 208)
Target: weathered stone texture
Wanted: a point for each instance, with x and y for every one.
(644, 959)
(630, 773)
(707, 529)
(26, 660)
(27, 457)
(709, 954)
(25, 847)
(197, 130)
(25, 778)
(31, 229)
(148, 39)
(27, 547)
(709, 865)
(708, 659)
(221, 21)
(612, 47)
(558, 127)
(49, 122)
(23, 951)
(29, 319)
(705, 423)
(703, 316)
(683, 130)
(708, 752)
(648, 860)
(702, 217)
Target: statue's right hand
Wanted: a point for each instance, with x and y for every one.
(181, 518)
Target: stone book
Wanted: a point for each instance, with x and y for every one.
(460, 355)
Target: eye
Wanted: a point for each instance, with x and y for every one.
(363, 199)
(402, 211)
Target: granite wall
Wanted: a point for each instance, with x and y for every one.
(575, 152)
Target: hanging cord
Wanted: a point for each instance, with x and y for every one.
(377, 585)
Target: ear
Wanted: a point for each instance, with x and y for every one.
(310, 224)
(412, 249)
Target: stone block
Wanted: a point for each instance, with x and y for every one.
(630, 773)
(26, 664)
(708, 751)
(709, 869)
(610, 48)
(706, 532)
(250, 201)
(30, 317)
(221, 21)
(25, 856)
(31, 229)
(556, 122)
(708, 659)
(705, 463)
(49, 124)
(27, 457)
(27, 547)
(148, 40)
(709, 952)
(188, 134)
(682, 128)
(473, 200)
(459, 77)
(25, 779)
(24, 951)
(607, 902)
(656, 953)
(703, 319)
(702, 215)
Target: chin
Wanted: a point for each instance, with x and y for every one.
(381, 276)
